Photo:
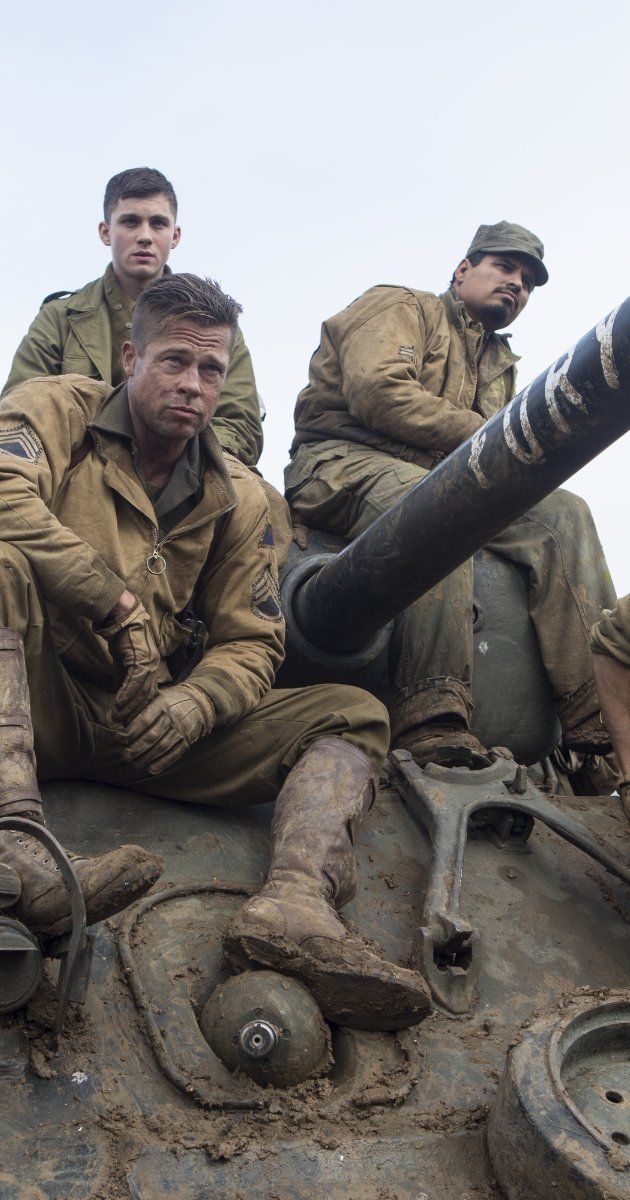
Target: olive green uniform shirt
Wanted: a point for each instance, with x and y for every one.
(80, 334)
(120, 307)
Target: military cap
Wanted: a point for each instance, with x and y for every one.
(490, 239)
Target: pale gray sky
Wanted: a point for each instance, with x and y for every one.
(317, 149)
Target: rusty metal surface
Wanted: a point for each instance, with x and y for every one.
(560, 1122)
(108, 1124)
(501, 800)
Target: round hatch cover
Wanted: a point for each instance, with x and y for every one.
(560, 1122)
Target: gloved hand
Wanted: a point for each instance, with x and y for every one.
(158, 736)
(136, 659)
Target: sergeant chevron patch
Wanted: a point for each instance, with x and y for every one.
(409, 352)
(22, 441)
(267, 538)
(265, 601)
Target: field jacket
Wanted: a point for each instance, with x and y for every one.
(72, 502)
(405, 372)
(72, 335)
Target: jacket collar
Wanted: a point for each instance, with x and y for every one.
(88, 298)
(497, 344)
(92, 295)
(206, 465)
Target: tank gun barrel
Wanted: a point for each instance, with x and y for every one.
(561, 421)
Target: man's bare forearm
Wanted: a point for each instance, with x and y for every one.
(123, 605)
(613, 685)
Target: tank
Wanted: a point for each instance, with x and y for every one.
(132, 1064)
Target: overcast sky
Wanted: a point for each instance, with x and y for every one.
(320, 148)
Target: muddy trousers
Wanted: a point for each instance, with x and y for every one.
(555, 543)
(244, 764)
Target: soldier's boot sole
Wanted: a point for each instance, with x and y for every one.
(352, 985)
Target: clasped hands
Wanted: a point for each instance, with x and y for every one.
(158, 726)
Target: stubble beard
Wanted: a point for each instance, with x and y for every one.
(498, 313)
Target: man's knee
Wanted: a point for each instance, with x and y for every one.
(393, 483)
(365, 721)
(369, 723)
(336, 710)
(565, 511)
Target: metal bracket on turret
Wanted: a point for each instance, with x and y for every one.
(447, 801)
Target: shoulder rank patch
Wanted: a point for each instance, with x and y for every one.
(408, 352)
(265, 601)
(267, 538)
(22, 441)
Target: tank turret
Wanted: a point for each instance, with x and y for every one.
(155, 1074)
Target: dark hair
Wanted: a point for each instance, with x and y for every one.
(183, 296)
(137, 181)
(474, 260)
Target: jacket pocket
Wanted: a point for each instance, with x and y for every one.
(79, 364)
(307, 460)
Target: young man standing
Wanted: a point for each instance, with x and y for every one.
(83, 332)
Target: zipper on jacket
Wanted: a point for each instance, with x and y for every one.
(156, 562)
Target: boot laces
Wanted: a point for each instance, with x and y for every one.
(38, 850)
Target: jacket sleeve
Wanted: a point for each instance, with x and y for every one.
(41, 350)
(380, 365)
(237, 422)
(238, 600)
(41, 423)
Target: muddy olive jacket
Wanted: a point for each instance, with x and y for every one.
(612, 634)
(72, 335)
(71, 501)
(405, 372)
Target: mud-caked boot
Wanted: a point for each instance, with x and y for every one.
(109, 882)
(292, 926)
(433, 725)
(583, 729)
(447, 742)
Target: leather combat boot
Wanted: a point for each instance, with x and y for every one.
(109, 882)
(433, 724)
(292, 926)
(583, 729)
(447, 742)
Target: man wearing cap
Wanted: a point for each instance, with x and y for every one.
(400, 378)
(610, 645)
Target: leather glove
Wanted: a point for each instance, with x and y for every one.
(136, 661)
(158, 736)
